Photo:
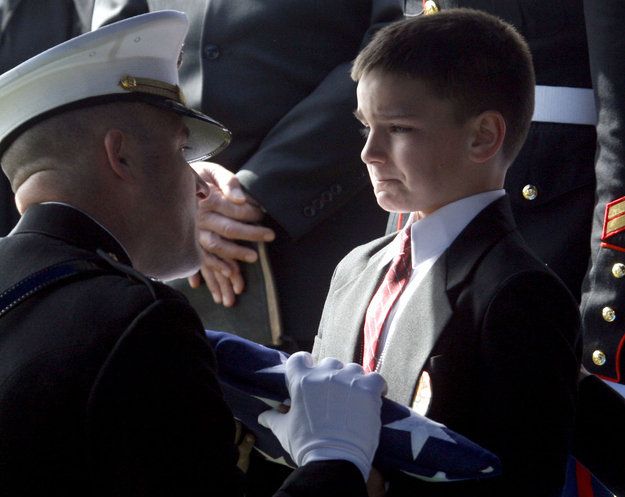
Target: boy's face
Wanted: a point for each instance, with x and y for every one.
(416, 153)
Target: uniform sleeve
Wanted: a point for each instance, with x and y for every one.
(327, 478)
(156, 421)
(527, 382)
(603, 300)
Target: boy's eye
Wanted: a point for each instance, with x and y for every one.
(365, 131)
(399, 129)
(185, 148)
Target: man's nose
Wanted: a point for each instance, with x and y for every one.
(201, 188)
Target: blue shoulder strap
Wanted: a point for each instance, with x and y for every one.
(46, 277)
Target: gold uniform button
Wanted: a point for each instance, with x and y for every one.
(608, 314)
(618, 270)
(530, 192)
(598, 358)
(113, 256)
(430, 7)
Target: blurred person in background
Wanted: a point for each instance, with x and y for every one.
(28, 27)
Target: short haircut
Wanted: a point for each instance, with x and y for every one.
(69, 138)
(473, 59)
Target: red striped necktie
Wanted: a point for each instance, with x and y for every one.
(393, 284)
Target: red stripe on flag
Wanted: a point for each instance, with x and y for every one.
(584, 481)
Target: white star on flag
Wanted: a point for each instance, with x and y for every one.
(419, 432)
(280, 368)
(279, 460)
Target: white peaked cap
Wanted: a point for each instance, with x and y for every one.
(135, 59)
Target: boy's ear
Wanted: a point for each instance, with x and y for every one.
(489, 133)
(117, 148)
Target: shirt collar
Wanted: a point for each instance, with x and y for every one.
(433, 234)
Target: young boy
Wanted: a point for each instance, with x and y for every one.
(483, 335)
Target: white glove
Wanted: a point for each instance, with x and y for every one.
(335, 412)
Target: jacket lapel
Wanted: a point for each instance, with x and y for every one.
(430, 308)
(432, 305)
(426, 316)
(348, 305)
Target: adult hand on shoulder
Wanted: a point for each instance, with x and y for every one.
(226, 214)
(334, 414)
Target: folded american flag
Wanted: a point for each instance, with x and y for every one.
(252, 377)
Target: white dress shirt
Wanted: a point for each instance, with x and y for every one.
(430, 237)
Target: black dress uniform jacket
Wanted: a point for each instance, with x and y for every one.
(107, 382)
(496, 331)
(603, 306)
(276, 73)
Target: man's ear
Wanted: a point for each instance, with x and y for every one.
(488, 134)
(117, 148)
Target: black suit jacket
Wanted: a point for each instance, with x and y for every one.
(497, 332)
(107, 383)
(26, 29)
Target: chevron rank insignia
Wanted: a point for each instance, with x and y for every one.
(614, 221)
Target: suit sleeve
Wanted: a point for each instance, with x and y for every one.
(156, 422)
(110, 11)
(527, 383)
(327, 478)
(308, 166)
(603, 301)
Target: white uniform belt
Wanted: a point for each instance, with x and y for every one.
(560, 104)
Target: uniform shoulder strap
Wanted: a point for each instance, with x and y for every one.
(46, 277)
